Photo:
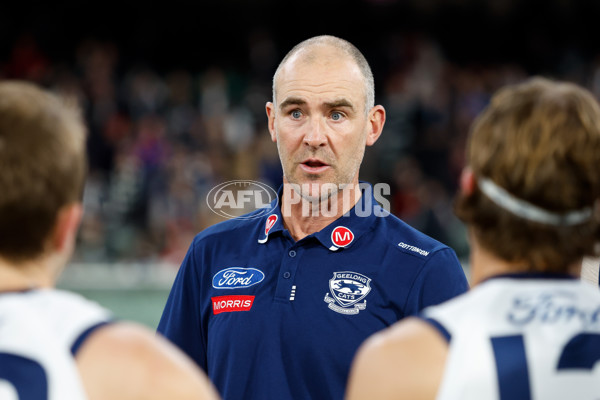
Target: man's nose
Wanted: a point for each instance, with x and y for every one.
(315, 137)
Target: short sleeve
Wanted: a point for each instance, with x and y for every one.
(440, 279)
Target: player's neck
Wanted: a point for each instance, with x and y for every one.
(304, 217)
(24, 275)
(485, 265)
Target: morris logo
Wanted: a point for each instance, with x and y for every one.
(237, 278)
(347, 289)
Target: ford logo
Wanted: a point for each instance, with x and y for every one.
(237, 278)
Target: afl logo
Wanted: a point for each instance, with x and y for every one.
(234, 199)
(341, 237)
(237, 278)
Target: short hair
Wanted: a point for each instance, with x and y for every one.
(42, 166)
(346, 48)
(539, 140)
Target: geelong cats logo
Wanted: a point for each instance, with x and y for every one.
(347, 289)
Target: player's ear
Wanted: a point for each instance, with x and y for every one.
(375, 124)
(270, 108)
(66, 227)
(467, 181)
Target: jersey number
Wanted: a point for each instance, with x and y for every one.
(581, 352)
(27, 376)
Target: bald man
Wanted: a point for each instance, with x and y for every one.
(273, 305)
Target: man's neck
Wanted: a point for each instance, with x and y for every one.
(304, 217)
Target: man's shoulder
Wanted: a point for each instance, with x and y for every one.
(407, 238)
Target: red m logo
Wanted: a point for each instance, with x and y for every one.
(342, 236)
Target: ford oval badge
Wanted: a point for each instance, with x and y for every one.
(237, 278)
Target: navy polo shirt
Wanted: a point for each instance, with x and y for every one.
(271, 318)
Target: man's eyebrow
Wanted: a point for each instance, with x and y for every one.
(339, 103)
(291, 101)
(331, 104)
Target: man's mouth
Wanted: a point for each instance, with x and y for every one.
(313, 165)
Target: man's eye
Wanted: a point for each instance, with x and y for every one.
(336, 116)
(296, 114)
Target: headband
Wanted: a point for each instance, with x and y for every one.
(526, 210)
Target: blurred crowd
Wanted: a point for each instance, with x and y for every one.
(160, 140)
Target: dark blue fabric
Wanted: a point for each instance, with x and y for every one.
(581, 352)
(438, 326)
(299, 337)
(511, 364)
(26, 375)
(85, 334)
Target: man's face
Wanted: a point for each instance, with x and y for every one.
(319, 121)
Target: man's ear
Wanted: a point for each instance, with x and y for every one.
(66, 227)
(467, 181)
(376, 122)
(270, 108)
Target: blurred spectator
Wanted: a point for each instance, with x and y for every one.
(27, 61)
(159, 141)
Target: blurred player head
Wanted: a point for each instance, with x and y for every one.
(323, 114)
(530, 192)
(42, 170)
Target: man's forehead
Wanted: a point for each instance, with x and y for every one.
(329, 61)
(318, 53)
(328, 80)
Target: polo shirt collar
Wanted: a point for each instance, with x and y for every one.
(341, 233)
(273, 222)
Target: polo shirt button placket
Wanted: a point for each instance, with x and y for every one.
(285, 291)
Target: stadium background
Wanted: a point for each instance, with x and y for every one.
(174, 94)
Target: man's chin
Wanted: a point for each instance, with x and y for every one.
(315, 191)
